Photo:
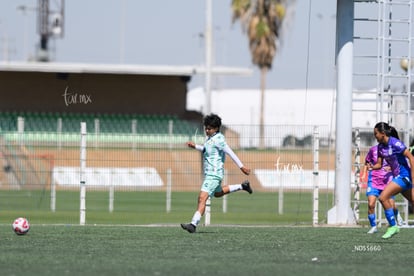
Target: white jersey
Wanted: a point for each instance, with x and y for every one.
(214, 155)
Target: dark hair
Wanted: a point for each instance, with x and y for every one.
(387, 129)
(394, 132)
(212, 120)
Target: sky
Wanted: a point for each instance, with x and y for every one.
(171, 33)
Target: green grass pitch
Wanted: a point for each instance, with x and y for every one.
(138, 207)
(213, 250)
(250, 239)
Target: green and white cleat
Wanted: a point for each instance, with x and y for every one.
(373, 230)
(391, 231)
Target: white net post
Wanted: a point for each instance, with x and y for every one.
(111, 193)
(97, 124)
(378, 210)
(170, 133)
(315, 176)
(357, 165)
(52, 182)
(59, 133)
(207, 216)
(168, 192)
(111, 198)
(134, 124)
(224, 207)
(20, 130)
(82, 217)
(280, 192)
(224, 204)
(52, 194)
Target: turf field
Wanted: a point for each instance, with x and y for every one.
(137, 207)
(213, 250)
(140, 238)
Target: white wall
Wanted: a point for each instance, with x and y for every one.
(284, 107)
(288, 106)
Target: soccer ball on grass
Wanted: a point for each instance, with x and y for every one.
(21, 226)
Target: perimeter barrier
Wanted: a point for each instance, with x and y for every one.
(119, 177)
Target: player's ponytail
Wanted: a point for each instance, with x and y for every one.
(393, 132)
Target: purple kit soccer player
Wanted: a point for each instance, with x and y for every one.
(376, 182)
(401, 162)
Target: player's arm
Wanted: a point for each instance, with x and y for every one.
(365, 170)
(236, 159)
(377, 165)
(195, 146)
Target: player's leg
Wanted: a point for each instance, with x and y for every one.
(390, 190)
(397, 214)
(372, 199)
(201, 207)
(408, 192)
(208, 188)
(245, 186)
(372, 195)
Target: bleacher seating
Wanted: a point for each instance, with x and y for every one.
(96, 123)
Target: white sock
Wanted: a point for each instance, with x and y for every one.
(235, 187)
(196, 218)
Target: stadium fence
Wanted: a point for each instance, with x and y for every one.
(152, 178)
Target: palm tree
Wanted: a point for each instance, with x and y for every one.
(262, 20)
